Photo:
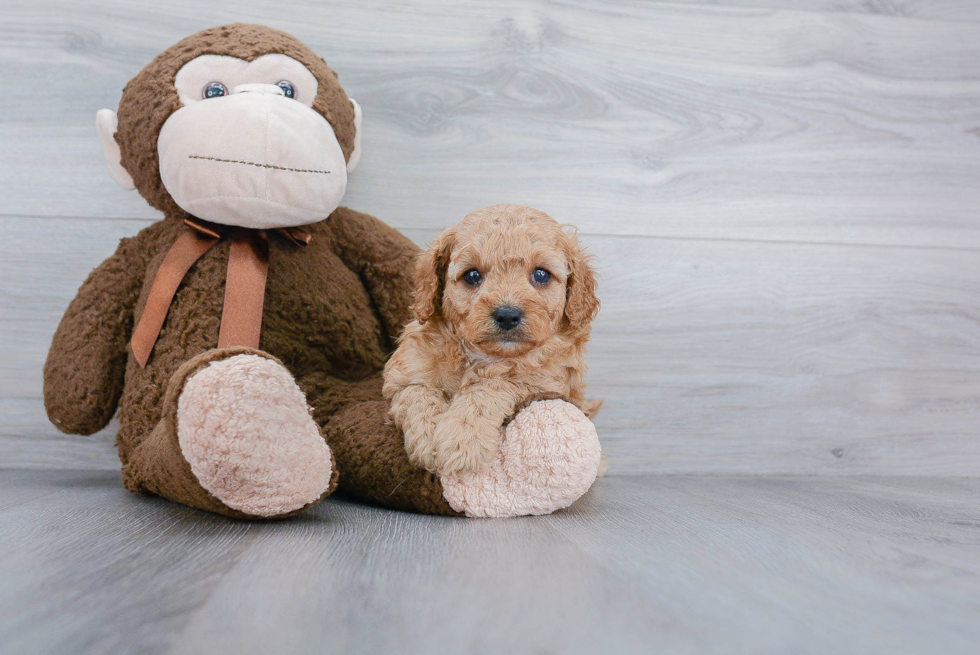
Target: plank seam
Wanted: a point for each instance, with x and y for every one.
(609, 235)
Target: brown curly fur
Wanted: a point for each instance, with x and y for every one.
(456, 376)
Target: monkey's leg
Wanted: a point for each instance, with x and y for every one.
(369, 450)
(548, 458)
(236, 438)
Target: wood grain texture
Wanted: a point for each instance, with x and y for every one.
(784, 565)
(711, 355)
(90, 568)
(782, 200)
(625, 118)
(945, 10)
(641, 564)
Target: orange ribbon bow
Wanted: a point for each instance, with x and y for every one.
(248, 266)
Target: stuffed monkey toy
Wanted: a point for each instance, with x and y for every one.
(242, 337)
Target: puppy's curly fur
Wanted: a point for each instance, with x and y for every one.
(504, 304)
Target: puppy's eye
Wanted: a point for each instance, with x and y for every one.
(214, 90)
(472, 277)
(287, 88)
(541, 276)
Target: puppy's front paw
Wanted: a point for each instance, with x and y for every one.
(418, 445)
(460, 445)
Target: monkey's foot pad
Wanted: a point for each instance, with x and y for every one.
(245, 429)
(548, 458)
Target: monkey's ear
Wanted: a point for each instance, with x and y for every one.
(106, 123)
(355, 156)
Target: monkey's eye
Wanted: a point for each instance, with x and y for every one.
(287, 88)
(472, 277)
(215, 90)
(541, 276)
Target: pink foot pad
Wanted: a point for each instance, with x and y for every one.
(245, 429)
(549, 458)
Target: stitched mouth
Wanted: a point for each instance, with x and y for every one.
(252, 163)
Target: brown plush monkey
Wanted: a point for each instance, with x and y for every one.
(242, 337)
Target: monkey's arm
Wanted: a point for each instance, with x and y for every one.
(383, 258)
(84, 371)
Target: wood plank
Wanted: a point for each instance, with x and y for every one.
(353, 579)
(24, 485)
(765, 358)
(636, 117)
(29, 441)
(809, 565)
(686, 564)
(947, 10)
(712, 356)
(88, 567)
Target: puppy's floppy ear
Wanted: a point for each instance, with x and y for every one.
(430, 275)
(581, 303)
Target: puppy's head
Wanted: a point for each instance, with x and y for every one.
(507, 279)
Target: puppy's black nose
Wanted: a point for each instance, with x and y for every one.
(507, 317)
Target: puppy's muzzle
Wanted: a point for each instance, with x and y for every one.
(507, 317)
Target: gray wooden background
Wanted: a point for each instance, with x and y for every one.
(783, 198)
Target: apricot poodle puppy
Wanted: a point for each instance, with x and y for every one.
(504, 304)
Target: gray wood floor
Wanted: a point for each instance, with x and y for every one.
(650, 564)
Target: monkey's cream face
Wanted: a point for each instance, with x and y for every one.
(247, 149)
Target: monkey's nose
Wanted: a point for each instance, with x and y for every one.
(274, 89)
(507, 317)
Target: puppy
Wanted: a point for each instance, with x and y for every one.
(504, 304)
